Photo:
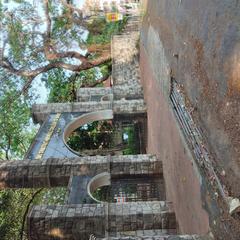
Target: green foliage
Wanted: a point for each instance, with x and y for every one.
(101, 135)
(132, 141)
(16, 136)
(18, 34)
(12, 208)
(64, 28)
(14, 31)
(60, 89)
(14, 120)
(51, 196)
(89, 77)
(19, 1)
(100, 31)
(13, 204)
(94, 135)
(102, 194)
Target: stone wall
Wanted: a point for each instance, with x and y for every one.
(80, 221)
(128, 91)
(140, 216)
(56, 172)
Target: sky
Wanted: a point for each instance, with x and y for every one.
(80, 2)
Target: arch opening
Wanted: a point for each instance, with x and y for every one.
(130, 188)
(82, 124)
(97, 133)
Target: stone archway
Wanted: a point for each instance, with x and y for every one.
(82, 120)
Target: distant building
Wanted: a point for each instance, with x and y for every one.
(96, 7)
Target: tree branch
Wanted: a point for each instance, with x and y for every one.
(48, 19)
(99, 48)
(8, 147)
(2, 50)
(58, 64)
(31, 74)
(99, 81)
(56, 58)
(26, 212)
(70, 54)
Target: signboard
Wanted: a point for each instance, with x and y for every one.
(114, 17)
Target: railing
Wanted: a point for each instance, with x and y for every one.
(195, 140)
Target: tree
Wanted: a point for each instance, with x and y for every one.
(96, 138)
(63, 88)
(47, 42)
(16, 134)
(37, 41)
(14, 119)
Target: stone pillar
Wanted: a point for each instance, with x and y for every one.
(66, 222)
(54, 172)
(40, 111)
(80, 221)
(132, 216)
